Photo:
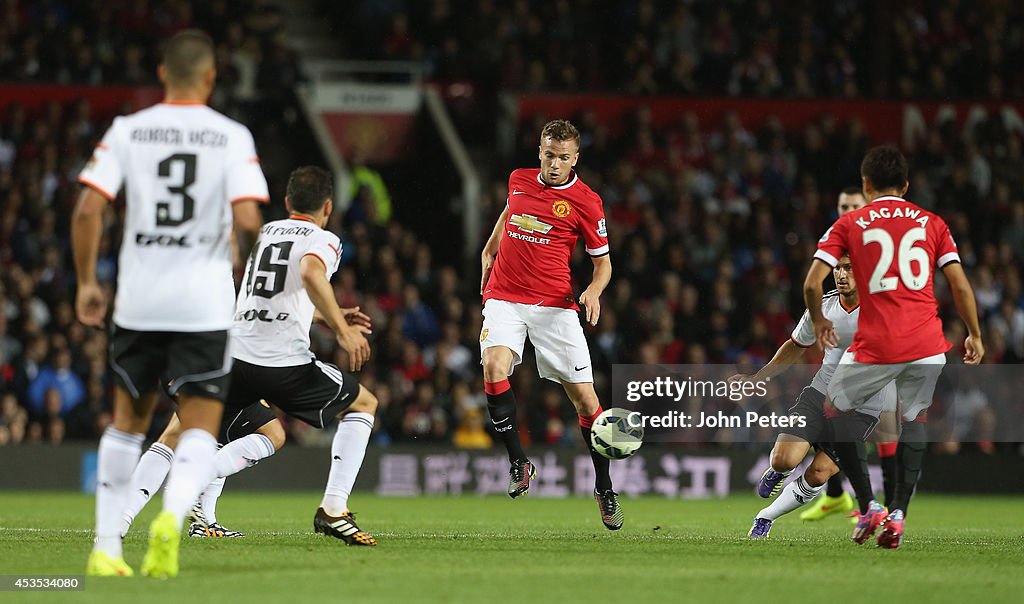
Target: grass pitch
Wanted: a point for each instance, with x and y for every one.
(472, 549)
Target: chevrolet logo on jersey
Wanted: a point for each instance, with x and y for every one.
(529, 224)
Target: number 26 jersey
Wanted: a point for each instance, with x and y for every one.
(182, 166)
(274, 313)
(895, 248)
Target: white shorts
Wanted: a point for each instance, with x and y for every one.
(854, 385)
(556, 334)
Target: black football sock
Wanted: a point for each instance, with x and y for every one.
(887, 459)
(603, 480)
(909, 456)
(501, 404)
(835, 485)
(856, 468)
(850, 430)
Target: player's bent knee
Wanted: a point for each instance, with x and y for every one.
(588, 406)
(365, 402)
(785, 458)
(497, 361)
(583, 397)
(816, 475)
(274, 430)
(820, 470)
(495, 370)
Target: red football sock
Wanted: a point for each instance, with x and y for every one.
(587, 422)
(886, 449)
(496, 388)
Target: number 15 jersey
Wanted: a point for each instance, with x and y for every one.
(894, 247)
(182, 166)
(274, 312)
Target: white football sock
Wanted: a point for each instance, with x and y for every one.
(208, 499)
(191, 471)
(118, 454)
(243, 453)
(147, 479)
(794, 495)
(347, 451)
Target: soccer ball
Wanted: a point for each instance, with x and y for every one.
(613, 436)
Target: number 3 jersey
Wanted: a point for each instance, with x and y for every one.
(894, 247)
(182, 166)
(273, 313)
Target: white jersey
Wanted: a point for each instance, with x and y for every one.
(182, 166)
(274, 313)
(844, 321)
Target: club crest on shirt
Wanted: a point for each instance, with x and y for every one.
(561, 208)
(483, 334)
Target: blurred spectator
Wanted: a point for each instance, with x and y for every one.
(550, 424)
(10, 347)
(424, 419)
(13, 420)
(470, 433)
(974, 419)
(419, 323)
(1009, 323)
(56, 389)
(27, 367)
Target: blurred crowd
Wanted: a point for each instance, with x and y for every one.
(98, 42)
(711, 227)
(117, 42)
(845, 48)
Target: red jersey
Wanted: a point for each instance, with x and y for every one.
(895, 247)
(544, 223)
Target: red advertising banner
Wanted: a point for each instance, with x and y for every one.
(372, 138)
(374, 123)
(105, 100)
(884, 121)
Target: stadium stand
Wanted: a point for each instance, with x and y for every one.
(711, 225)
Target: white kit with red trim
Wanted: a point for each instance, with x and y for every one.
(182, 165)
(844, 321)
(273, 313)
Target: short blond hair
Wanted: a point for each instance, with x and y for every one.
(561, 130)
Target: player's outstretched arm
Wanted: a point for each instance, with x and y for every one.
(491, 249)
(318, 288)
(823, 329)
(967, 307)
(591, 297)
(787, 354)
(86, 232)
